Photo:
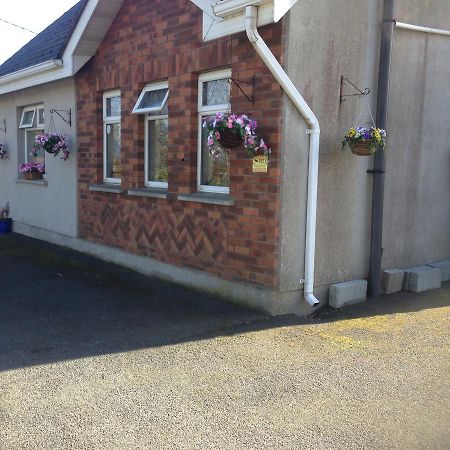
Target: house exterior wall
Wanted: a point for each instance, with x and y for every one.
(325, 40)
(162, 40)
(50, 207)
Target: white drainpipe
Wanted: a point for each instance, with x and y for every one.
(251, 14)
(408, 26)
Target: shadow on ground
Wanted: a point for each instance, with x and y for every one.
(57, 304)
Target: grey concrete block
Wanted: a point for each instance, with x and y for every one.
(393, 280)
(348, 293)
(424, 278)
(445, 269)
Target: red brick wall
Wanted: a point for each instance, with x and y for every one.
(157, 40)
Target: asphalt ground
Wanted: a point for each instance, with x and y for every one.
(94, 356)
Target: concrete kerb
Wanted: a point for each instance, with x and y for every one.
(444, 266)
(423, 278)
(348, 293)
(393, 280)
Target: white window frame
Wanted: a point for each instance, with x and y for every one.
(27, 152)
(204, 111)
(38, 108)
(110, 120)
(24, 111)
(149, 88)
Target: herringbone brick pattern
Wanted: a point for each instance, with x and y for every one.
(173, 233)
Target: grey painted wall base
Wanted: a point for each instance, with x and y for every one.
(348, 293)
(270, 301)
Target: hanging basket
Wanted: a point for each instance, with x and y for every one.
(362, 148)
(52, 143)
(229, 139)
(51, 151)
(33, 175)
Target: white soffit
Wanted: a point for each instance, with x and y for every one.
(225, 17)
(92, 27)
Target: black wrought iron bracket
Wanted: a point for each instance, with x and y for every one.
(4, 126)
(69, 115)
(359, 94)
(252, 82)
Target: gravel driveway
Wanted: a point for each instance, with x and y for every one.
(93, 356)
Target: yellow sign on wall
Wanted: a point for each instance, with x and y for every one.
(260, 164)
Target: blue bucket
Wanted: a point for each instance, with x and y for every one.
(5, 226)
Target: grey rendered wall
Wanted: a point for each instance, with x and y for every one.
(325, 40)
(52, 207)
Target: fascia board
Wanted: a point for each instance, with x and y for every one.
(32, 76)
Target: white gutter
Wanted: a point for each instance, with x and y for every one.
(408, 26)
(251, 15)
(33, 70)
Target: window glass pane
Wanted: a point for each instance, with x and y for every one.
(160, 112)
(113, 107)
(153, 99)
(215, 170)
(157, 150)
(216, 92)
(113, 150)
(40, 116)
(27, 118)
(30, 136)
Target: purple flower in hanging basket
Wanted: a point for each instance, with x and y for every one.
(371, 136)
(32, 167)
(52, 143)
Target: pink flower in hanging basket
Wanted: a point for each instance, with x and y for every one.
(229, 131)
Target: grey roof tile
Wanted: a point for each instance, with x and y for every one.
(47, 45)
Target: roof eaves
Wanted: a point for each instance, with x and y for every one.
(33, 70)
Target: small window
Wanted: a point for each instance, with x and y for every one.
(213, 173)
(112, 137)
(153, 98)
(32, 125)
(27, 119)
(153, 103)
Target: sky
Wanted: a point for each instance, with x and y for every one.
(35, 15)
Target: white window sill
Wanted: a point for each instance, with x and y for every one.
(208, 197)
(149, 192)
(112, 188)
(41, 182)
